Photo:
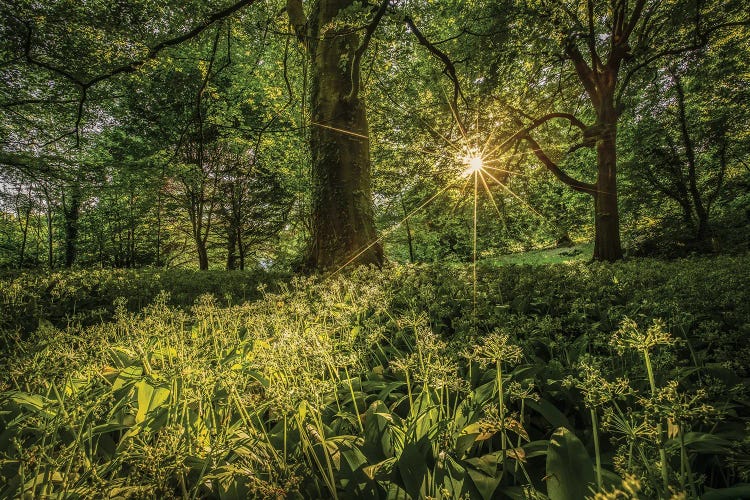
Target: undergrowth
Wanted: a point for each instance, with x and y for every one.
(566, 381)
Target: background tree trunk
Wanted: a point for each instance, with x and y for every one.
(71, 212)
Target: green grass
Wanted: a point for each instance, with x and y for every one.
(581, 252)
(566, 380)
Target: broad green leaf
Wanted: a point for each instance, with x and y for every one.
(149, 398)
(484, 483)
(550, 412)
(569, 467)
(735, 492)
(450, 474)
(127, 377)
(413, 468)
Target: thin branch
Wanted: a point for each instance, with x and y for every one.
(132, 66)
(449, 69)
(357, 61)
(156, 49)
(575, 184)
(634, 18)
(596, 62)
(698, 44)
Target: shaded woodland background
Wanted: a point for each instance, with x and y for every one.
(197, 134)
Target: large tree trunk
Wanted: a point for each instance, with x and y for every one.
(607, 245)
(343, 227)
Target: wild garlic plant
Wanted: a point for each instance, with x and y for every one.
(597, 392)
(498, 349)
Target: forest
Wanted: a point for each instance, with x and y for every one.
(378, 249)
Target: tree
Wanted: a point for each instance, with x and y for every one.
(343, 227)
(688, 134)
(606, 44)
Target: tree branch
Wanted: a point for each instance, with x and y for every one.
(449, 70)
(701, 42)
(357, 61)
(297, 18)
(584, 72)
(596, 62)
(575, 184)
(132, 66)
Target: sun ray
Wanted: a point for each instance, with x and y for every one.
(341, 130)
(492, 199)
(391, 229)
(510, 191)
(413, 114)
(474, 263)
(509, 172)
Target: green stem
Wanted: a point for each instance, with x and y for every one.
(501, 407)
(408, 390)
(659, 426)
(595, 427)
(354, 400)
(688, 469)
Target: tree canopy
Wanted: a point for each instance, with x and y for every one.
(321, 134)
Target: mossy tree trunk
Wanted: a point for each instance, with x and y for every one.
(343, 226)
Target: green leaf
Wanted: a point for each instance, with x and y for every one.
(450, 474)
(569, 467)
(413, 468)
(149, 399)
(127, 377)
(735, 492)
(380, 471)
(704, 442)
(549, 412)
(378, 437)
(33, 402)
(485, 484)
(486, 463)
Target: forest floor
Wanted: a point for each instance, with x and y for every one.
(580, 252)
(558, 381)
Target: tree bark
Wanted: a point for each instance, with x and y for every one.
(343, 226)
(607, 244)
(71, 212)
(23, 221)
(231, 247)
(48, 213)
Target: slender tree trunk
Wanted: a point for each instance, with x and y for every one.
(687, 214)
(202, 254)
(343, 227)
(158, 217)
(72, 212)
(701, 213)
(24, 231)
(241, 248)
(231, 247)
(50, 254)
(408, 231)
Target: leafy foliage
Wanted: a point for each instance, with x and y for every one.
(383, 384)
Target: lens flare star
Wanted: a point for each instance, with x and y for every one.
(474, 163)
